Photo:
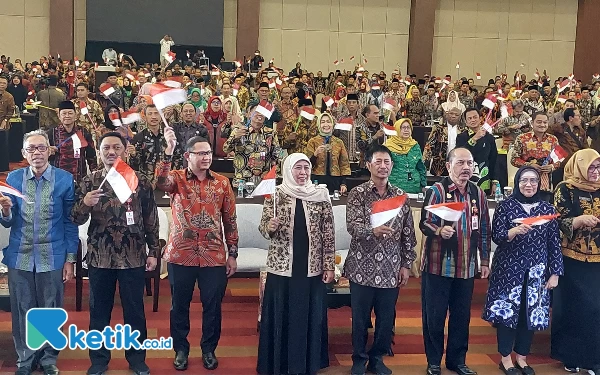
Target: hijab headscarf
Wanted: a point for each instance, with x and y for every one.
(517, 191)
(449, 104)
(211, 115)
(338, 94)
(409, 94)
(319, 117)
(307, 192)
(396, 143)
(576, 170)
(199, 103)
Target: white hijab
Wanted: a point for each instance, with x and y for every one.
(309, 192)
(453, 104)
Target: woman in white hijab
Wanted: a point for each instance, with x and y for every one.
(453, 102)
(301, 260)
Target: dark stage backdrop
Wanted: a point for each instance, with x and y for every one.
(135, 27)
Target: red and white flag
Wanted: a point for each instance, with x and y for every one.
(452, 211)
(174, 82)
(130, 117)
(164, 96)
(386, 210)
(562, 99)
(344, 124)
(336, 62)
(537, 73)
(563, 85)
(7, 189)
(123, 180)
(389, 130)
(490, 102)
(375, 86)
(478, 75)
(130, 76)
(265, 108)
(536, 220)
(272, 83)
(308, 113)
(352, 58)
(170, 56)
(235, 89)
(114, 117)
(83, 108)
(364, 59)
(187, 54)
(457, 65)
(106, 89)
(328, 100)
(438, 80)
(238, 64)
(596, 76)
(389, 104)
(558, 154)
(267, 185)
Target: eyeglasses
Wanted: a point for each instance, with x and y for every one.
(594, 168)
(31, 149)
(201, 153)
(532, 181)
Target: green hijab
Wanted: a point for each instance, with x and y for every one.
(199, 103)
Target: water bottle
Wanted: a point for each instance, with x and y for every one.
(498, 194)
(241, 189)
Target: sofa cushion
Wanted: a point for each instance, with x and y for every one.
(251, 259)
(342, 237)
(248, 219)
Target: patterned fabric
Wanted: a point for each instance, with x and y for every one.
(287, 108)
(365, 136)
(94, 112)
(535, 255)
(567, 141)
(66, 157)
(431, 104)
(436, 149)
(111, 242)
(255, 154)
(409, 173)
(149, 150)
(484, 153)
(7, 106)
(305, 130)
(467, 99)
(202, 212)
(529, 149)
(374, 261)
(586, 109)
(339, 165)
(184, 133)
(439, 257)
(531, 106)
(50, 97)
(321, 235)
(509, 134)
(415, 111)
(42, 236)
(581, 244)
(349, 137)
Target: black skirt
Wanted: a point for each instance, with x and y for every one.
(293, 328)
(576, 315)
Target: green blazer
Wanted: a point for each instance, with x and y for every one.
(407, 165)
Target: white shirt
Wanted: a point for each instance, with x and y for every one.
(165, 46)
(452, 133)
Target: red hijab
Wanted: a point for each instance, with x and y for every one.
(211, 115)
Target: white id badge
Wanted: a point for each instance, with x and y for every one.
(129, 216)
(474, 222)
(76, 153)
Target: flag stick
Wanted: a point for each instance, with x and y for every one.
(43, 106)
(102, 183)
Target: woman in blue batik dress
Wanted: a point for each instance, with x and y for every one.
(525, 267)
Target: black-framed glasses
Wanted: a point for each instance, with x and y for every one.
(532, 181)
(201, 153)
(40, 148)
(594, 168)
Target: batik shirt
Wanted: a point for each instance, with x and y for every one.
(149, 150)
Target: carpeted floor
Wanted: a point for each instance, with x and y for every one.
(238, 346)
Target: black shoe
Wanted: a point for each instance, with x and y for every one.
(97, 370)
(527, 370)
(377, 366)
(572, 369)
(25, 370)
(358, 368)
(140, 369)
(181, 361)
(509, 371)
(50, 370)
(462, 370)
(210, 361)
(434, 370)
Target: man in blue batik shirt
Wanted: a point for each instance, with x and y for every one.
(42, 246)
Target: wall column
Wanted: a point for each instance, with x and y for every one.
(420, 36)
(248, 22)
(62, 26)
(587, 54)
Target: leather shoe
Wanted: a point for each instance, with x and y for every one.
(525, 370)
(377, 367)
(434, 370)
(50, 370)
(181, 361)
(509, 371)
(210, 361)
(97, 370)
(140, 369)
(358, 368)
(462, 370)
(23, 371)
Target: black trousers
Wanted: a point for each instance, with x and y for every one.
(439, 295)
(103, 283)
(516, 339)
(364, 299)
(212, 282)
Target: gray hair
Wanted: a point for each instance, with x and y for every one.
(39, 132)
(517, 102)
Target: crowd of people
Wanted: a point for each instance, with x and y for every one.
(320, 132)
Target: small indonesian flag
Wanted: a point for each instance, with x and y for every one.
(537, 73)
(488, 127)
(308, 113)
(478, 75)
(187, 54)
(563, 85)
(328, 100)
(361, 69)
(336, 62)
(106, 89)
(123, 180)
(490, 102)
(364, 59)
(558, 154)
(571, 77)
(170, 56)
(345, 124)
(238, 64)
(272, 84)
(375, 87)
(352, 58)
(77, 141)
(96, 66)
(457, 65)
(127, 118)
(562, 99)
(57, 56)
(214, 71)
(267, 185)
(76, 59)
(31, 93)
(536, 220)
(114, 117)
(174, 81)
(386, 210)
(83, 108)
(446, 82)
(265, 108)
(389, 130)
(503, 111)
(389, 104)
(278, 82)
(452, 211)
(438, 80)
(272, 61)
(236, 89)
(7, 189)
(342, 61)
(596, 76)
(130, 76)
(164, 96)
